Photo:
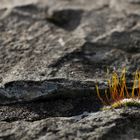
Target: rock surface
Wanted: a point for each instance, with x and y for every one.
(52, 52)
(69, 39)
(118, 125)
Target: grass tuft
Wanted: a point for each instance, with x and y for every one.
(118, 95)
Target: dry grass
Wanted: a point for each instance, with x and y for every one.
(118, 91)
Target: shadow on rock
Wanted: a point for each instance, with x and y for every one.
(67, 19)
(35, 100)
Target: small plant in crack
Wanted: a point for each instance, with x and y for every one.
(117, 95)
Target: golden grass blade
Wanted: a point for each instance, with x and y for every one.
(98, 93)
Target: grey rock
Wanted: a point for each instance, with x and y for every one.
(52, 53)
(120, 124)
(41, 42)
(26, 91)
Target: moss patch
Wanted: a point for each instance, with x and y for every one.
(124, 103)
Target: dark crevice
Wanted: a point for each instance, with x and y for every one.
(70, 98)
(42, 109)
(67, 19)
